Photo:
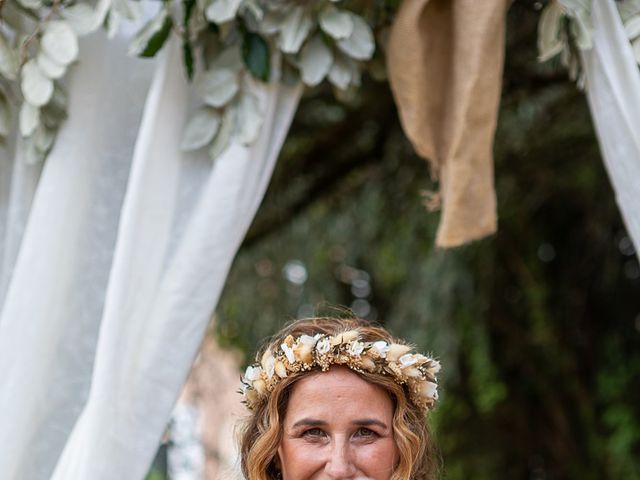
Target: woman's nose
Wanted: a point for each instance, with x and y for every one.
(339, 465)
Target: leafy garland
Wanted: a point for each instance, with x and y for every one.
(227, 45)
(565, 28)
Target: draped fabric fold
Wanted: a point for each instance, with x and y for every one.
(445, 60)
(613, 91)
(90, 377)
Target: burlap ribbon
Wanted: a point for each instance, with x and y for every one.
(445, 60)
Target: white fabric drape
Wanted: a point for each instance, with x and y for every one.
(613, 91)
(114, 257)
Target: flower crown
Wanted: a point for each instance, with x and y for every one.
(417, 372)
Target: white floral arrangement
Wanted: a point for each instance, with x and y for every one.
(565, 28)
(415, 371)
(227, 45)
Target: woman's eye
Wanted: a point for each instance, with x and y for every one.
(313, 432)
(365, 432)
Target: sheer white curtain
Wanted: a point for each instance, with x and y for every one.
(613, 90)
(114, 256)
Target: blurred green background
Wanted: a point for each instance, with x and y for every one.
(538, 327)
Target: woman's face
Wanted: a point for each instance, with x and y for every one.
(337, 426)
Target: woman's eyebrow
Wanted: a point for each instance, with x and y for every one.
(365, 422)
(309, 422)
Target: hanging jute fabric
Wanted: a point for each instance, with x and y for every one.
(445, 60)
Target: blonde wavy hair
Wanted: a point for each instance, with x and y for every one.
(261, 432)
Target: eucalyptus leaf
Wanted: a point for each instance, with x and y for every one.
(9, 64)
(30, 154)
(549, 32)
(360, 44)
(335, 23)
(256, 55)
(60, 42)
(636, 49)
(83, 19)
(632, 27)
(221, 11)
(229, 59)
(43, 138)
(341, 73)
(271, 22)
(5, 116)
(36, 87)
(294, 30)
(201, 129)
(28, 119)
(249, 119)
(315, 61)
(218, 87)
(31, 4)
(49, 67)
(223, 138)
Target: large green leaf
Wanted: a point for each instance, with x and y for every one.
(256, 55)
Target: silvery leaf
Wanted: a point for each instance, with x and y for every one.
(218, 86)
(271, 22)
(223, 138)
(581, 29)
(360, 44)
(83, 19)
(43, 138)
(36, 87)
(114, 20)
(5, 116)
(315, 61)
(221, 11)
(632, 27)
(335, 23)
(32, 4)
(253, 7)
(340, 73)
(129, 9)
(201, 129)
(31, 155)
(28, 119)
(229, 59)
(249, 120)
(636, 49)
(59, 42)
(294, 30)
(49, 67)
(9, 64)
(549, 30)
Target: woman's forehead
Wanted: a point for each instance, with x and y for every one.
(338, 391)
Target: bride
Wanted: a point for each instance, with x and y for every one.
(339, 399)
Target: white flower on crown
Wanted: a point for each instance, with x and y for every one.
(407, 360)
(323, 346)
(356, 349)
(252, 373)
(429, 390)
(381, 347)
(309, 340)
(288, 351)
(268, 364)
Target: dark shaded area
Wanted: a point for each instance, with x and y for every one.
(538, 326)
